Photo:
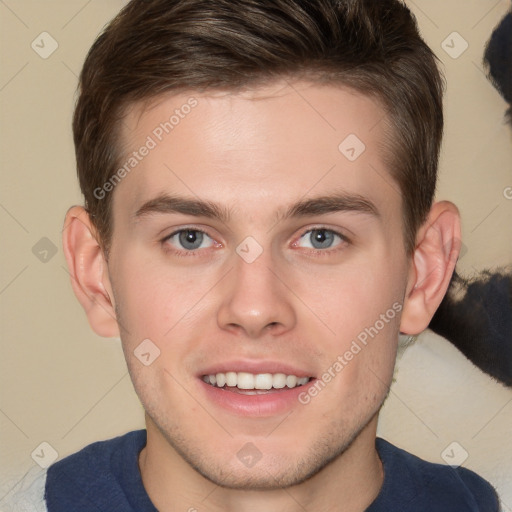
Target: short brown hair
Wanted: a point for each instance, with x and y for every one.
(157, 46)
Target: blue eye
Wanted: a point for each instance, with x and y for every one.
(322, 238)
(189, 239)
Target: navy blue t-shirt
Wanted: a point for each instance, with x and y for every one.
(104, 476)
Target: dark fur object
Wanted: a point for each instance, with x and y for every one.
(498, 60)
(476, 316)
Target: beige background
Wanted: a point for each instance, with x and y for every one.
(62, 384)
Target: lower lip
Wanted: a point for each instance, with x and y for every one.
(266, 404)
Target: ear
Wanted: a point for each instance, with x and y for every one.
(89, 272)
(437, 249)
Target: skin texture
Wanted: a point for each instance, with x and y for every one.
(255, 153)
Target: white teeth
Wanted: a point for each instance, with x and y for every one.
(279, 380)
(245, 380)
(291, 381)
(231, 379)
(248, 381)
(263, 381)
(221, 380)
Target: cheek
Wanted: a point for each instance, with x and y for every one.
(359, 306)
(349, 298)
(153, 295)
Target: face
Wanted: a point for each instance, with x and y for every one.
(256, 246)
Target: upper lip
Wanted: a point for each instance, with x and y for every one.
(255, 367)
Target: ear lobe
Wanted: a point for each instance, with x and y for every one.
(432, 265)
(89, 273)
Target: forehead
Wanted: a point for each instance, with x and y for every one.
(271, 143)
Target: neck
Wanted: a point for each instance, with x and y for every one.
(349, 483)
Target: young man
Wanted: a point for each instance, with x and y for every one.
(258, 229)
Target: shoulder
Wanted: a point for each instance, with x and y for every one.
(97, 476)
(99, 455)
(88, 479)
(419, 485)
(28, 494)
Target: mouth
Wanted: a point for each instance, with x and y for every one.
(255, 388)
(254, 383)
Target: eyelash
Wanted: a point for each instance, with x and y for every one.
(323, 252)
(314, 252)
(183, 253)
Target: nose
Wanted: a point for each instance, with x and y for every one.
(256, 302)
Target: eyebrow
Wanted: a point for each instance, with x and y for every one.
(332, 203)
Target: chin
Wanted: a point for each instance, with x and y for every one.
(270, 473)
(269, 469)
